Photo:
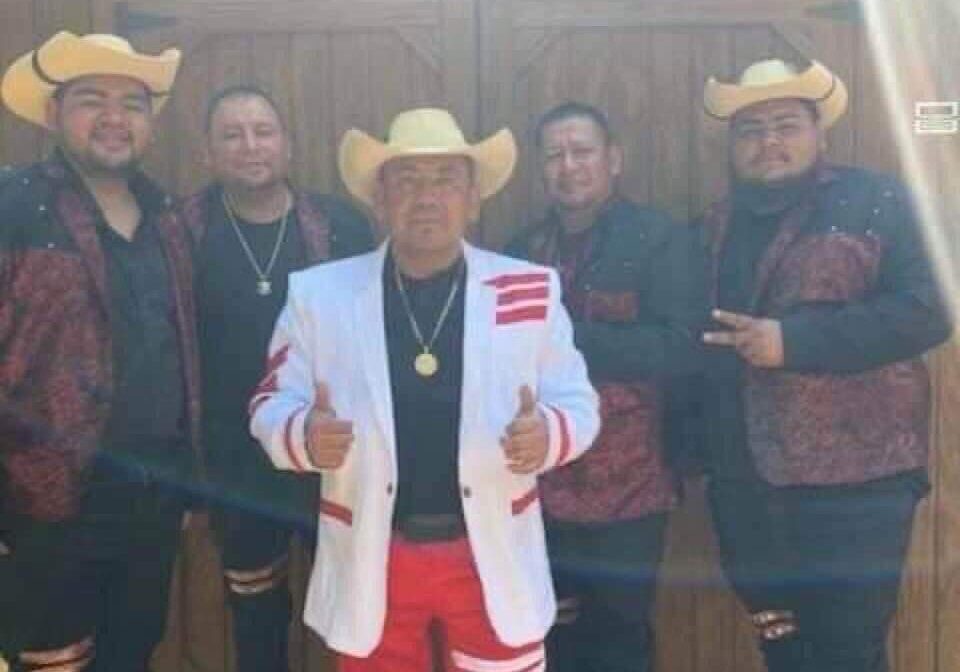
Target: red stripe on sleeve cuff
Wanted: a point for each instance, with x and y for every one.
(288, 441)
(564, 435)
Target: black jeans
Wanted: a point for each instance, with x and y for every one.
(104, 573)
(831, 555)
(252, 538)
(610, 569)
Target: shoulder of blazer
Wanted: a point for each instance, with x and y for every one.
(347, 273)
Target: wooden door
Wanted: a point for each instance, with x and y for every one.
(336, 64)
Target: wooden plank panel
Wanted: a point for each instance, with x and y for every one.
(631, 82)
(946, 150)
(169, 652)
(352, 104)
(424, 71)
(947, 602)
(231, 60)
(834, 46)
(751, 44)
(19, 140)
(206, 641)
(681, 572)
(103, 16)
(913, 633)
(497, 79)
(670, 126)
(458, 36)
(876, 147)
(630, 13)
(52, 16)
(188, 112)
(271, 56)
(303, 16)
(712, 56)
(312, 114)
(55, 15)
(164, 157)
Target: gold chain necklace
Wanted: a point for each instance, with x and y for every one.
(426, 363)
(264, 286)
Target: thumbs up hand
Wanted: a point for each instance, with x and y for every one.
(327, 439)
(527, 438)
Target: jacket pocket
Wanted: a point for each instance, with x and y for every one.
(612, 306)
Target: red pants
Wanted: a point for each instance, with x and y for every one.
(438, 583)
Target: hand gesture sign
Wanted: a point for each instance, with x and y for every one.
(527, 438)
(327, 439)
(758, 340)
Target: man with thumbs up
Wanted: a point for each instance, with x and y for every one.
(431, 383)
(526, 437)
(328, 439)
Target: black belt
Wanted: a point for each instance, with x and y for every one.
(427, 528)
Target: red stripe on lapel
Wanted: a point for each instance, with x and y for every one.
(531, 668)
(277, 359)
(341, 513)
(511, 279)
(520, 505)
(256, 403)
(564, 435)
(526, 314)
(288, 440)
(266, 387)
(526, 294)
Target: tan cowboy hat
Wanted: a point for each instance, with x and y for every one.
(773, 79)
(424, 132)
(32, 79)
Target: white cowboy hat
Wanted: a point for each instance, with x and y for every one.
(424, 132)
(32, 79)
(775, 79)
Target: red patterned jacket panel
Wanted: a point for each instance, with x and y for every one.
(56, 379)
(848, 278)
(636, 308)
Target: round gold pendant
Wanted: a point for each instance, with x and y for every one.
(426, 364)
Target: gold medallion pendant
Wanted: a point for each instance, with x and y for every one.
(426, 364)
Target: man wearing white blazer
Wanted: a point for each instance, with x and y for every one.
(430, 383)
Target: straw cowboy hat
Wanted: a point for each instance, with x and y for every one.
(32, 79)
(773, 79)
(424, 132)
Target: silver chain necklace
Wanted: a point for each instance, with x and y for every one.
(426, 363)
(264, 285)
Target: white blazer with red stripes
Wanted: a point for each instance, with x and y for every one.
(516, 332)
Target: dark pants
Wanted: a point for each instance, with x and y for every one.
(605, 576)
(832, 556)
(103, 574)
(252, 540)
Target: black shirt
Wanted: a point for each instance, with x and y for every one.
(426, 410)
(748, 238)
(236, 324)
(147, 414)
